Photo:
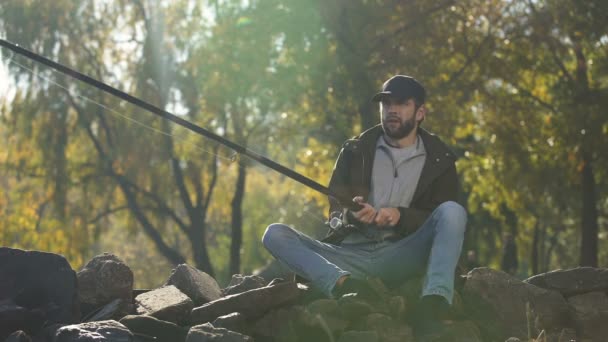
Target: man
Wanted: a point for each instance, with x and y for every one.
(410, 223)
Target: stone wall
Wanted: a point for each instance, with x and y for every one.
(43, 299)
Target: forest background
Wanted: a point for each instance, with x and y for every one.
(518, 89)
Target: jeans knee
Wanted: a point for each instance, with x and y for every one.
(454, 213)
(274, 234)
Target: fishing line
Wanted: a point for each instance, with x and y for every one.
(346, 202)
(119, 114)
(234, 157)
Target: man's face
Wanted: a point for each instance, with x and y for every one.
(398, 117)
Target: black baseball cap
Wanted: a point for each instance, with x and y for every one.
(403, 88)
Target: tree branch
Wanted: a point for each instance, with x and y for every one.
(169, 253)
(106, 213)
(160, 204)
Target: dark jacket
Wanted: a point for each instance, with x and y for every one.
(352, 176)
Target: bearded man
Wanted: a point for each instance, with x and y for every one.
(410, 223)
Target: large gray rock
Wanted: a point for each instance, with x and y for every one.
(100, 331)
(162, 331)
(104, 279)
(166, 303)
(15, 318)
(208, 333)
(234, 321)
(37, 287)
(590, 313)
(198, 285)
(113, 309)
(573, 281)
(240, 283)
(497, 302)
(252, 303)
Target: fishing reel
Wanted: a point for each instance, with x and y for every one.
(340, 223)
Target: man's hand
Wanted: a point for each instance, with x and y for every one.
(367, 213)
(383, 217)
(387, 217)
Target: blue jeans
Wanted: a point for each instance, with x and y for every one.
(435, 248)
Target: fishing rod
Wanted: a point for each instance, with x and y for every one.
(346, 202)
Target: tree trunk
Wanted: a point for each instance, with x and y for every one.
(535, 242)
(170, 254)
(589, 217)
(199, 247)
(552, 243)
(237, 220)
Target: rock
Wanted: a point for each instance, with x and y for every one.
(274, 269)
(294, 323)
(94, 331)
(335, 324)
(590, 313)
(162, 331)
(458, 308)
(387, 328)
(397, 306)
(35, 286)
(48, 332)
(14, 318)
(497, 303)
(252, 303)
(18, 336)
(111, 310)
(234, 321)
(276, 281)
(573, 281)
(104, 279)
(462, 331)
(196, 284)
(166, 303)
(280, 324)
(207, 333)
(351, 307)
(565, 335)
(359, 336)
(323, 306)
(240, 283)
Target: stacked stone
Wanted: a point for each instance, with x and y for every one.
(41, 298)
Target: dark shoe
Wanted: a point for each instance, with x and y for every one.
(426, 321)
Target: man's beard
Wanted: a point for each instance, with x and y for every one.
(403, 130)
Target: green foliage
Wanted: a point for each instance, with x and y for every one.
(516, 87)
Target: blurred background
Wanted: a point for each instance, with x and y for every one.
(518, 89)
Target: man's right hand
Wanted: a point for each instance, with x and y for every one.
(365, 215)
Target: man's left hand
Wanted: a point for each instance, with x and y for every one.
(387, 217)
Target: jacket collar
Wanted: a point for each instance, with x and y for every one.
(438, 157)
